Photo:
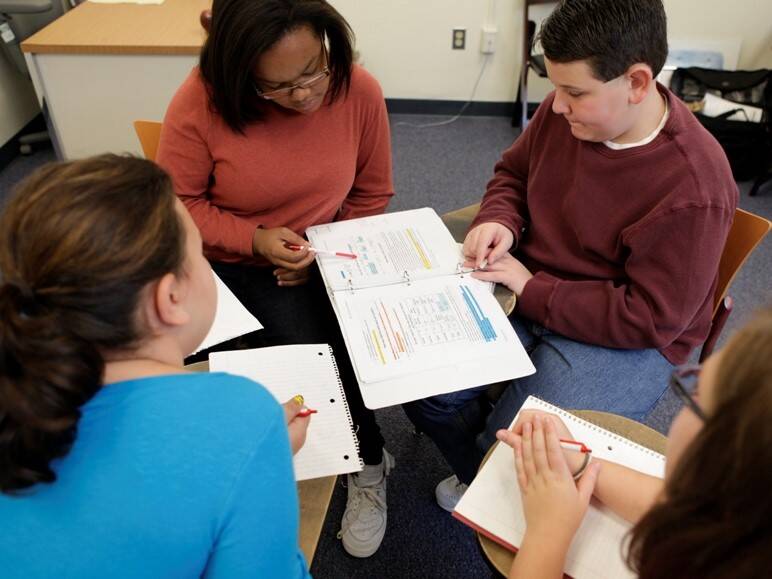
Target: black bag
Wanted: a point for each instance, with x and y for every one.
(748, 145)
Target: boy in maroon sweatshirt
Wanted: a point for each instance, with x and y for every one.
(607, 218)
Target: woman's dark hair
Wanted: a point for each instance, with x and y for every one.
(79, 242)
(611, 35)
(242, 30)
(715, 519)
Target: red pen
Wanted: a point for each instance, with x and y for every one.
(574, 445)
(295, 247)
(306, 412)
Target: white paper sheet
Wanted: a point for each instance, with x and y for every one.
(231, 320)
(308, 369)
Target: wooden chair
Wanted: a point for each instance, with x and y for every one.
(528, 61)
(748, 230)
(149, 133)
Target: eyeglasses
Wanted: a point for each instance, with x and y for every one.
(683, 381)
(307, 83)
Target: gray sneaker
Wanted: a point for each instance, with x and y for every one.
(449, 492)
(364, 522)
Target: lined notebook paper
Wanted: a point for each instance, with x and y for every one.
(331, 446)
(492, 504)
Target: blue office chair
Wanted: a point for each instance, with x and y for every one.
(20, 19)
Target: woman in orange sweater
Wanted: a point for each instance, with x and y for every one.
(277, 130)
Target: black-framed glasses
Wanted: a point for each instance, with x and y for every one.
(683, 381)
(301, 84)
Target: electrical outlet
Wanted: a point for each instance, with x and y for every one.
(488, 40)
(459, 39)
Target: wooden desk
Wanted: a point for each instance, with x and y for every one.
(100, 67)
(314, 496)
(501, 558)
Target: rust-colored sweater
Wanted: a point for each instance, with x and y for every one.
(624, 244)
(288, 169)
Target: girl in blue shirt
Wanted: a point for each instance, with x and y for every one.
(115, 461)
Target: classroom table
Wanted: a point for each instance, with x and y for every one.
(314, 496)
(499, 557)
(100, 67)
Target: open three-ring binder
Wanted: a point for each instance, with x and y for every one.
(415, 323)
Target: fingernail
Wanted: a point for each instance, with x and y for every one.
(299, 399)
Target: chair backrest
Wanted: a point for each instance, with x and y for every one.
(746, 233)
(25, 18)
(149, 133)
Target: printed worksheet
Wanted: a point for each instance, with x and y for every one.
(417, 327)
(390, 248)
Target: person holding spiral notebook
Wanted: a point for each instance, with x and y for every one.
(710, 517)
(114, 460)
(277, 130)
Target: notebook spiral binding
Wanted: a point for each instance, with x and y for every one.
(345, 405)
(597, 428)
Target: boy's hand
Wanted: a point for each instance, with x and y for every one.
(487, 241)
(272, 245)
(297, 426)
(506, 270)
(554, 504)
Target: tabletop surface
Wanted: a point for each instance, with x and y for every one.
(169, 28)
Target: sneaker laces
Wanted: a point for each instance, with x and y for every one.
(371, 499)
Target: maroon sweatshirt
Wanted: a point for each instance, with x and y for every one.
(624, 245)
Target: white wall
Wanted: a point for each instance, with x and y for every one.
(407, 43)
(18, 104)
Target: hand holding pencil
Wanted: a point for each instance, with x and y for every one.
(298, 417)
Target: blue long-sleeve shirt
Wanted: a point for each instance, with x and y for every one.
(174, 476)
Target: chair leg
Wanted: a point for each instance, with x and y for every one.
(718, 323)
(758, 183)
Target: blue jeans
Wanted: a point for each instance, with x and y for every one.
(300, 315)
(569, 374)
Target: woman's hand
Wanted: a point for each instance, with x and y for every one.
(273, 243)
(506, 270)
(288, 278)
(553, 502)
(487, 241)
(573, 459)
(297, 426)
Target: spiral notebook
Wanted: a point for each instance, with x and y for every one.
(331, 447)
(492, 504)
(415, 323)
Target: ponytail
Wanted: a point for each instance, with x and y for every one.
(46, 375)
(78, 244)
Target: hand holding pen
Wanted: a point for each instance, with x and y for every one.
(301, 247)
(272, 245)
(554, 503)
(297, 415)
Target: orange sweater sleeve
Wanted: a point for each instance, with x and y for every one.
(373, 186)
(184, 153)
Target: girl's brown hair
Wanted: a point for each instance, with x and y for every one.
(715, 519)
(79, 241)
